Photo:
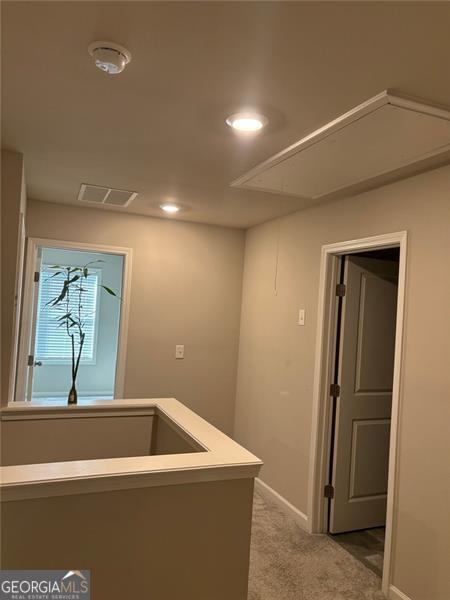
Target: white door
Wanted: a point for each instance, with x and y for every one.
(45, 352)
(363, 407)
(31, 362)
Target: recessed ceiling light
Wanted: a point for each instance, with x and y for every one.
(247, 122)
(170, 208)
(109, 57)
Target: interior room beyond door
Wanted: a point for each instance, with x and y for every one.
(362, 412)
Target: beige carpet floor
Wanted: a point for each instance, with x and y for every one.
(286, 563)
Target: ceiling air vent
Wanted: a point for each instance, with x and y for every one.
(96, 194)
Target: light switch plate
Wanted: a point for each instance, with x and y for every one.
(179, 351)
(301, 316)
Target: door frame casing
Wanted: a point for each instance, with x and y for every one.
(28, 300)
(323, 373)
(17, 307)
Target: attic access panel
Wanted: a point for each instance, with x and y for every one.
(377, 137)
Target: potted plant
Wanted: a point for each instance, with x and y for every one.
(69, 302)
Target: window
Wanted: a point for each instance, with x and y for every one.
(53, 345)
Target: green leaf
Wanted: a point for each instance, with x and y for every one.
(66, 316)
(109, 290)
(62, 295)
(94, 261)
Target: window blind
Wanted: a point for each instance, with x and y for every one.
(53, 345)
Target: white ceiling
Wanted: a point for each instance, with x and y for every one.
(158, 128)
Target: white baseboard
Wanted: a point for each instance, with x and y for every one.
(300, 518)
(396, 594)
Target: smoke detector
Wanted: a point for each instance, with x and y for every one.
(102, 195)
(109, 57)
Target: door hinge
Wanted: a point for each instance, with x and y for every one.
(36, 276)
(335, 390)
(30, 361)
(328, 491)
(340, 290)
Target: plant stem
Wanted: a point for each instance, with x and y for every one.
(80, 350)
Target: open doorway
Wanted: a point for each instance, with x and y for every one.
(45, 360)
(356, 395)
(361, 396)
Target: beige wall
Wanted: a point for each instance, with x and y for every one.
(57, 439)
(276, 360)
(13, 204)
(186, 289)
(177, 542)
